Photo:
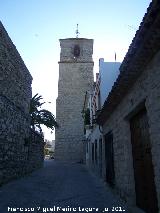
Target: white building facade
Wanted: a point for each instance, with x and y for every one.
(108, 72)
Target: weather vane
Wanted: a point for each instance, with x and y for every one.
(77, 32)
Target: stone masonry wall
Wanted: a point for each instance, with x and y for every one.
(35, 155)
(69, 107)
(15, 79)
(15, 95)
(147, 88)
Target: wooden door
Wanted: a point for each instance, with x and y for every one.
(100, 157)
(95, 145)
(146, 197)
(92, 153)
(109, 156)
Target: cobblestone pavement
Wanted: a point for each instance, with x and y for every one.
(56, 186)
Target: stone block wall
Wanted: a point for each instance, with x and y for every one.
(15, 95)
(35, 155)
(69, 105)
(15, 79)
(146, 88)
(14, 130)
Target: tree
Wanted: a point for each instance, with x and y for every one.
(41, 116)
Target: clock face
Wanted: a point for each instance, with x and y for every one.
(76, 50)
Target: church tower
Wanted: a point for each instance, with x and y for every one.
(75, 78)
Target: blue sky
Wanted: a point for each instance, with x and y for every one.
(35, 27)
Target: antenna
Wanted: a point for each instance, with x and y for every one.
(131, 27)
(77, 32)
(115, 56)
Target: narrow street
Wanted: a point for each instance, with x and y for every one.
(57, 186)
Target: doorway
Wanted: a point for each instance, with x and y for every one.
(100, 157)
(109, 158)
(146, 197)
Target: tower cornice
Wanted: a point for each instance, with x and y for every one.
(76, 39)
(73, 62)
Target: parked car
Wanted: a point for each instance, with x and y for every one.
(47, 157)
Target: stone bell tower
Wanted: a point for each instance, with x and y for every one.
(75, 78)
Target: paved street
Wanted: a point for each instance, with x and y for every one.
(55, 187)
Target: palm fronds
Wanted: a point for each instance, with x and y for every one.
(41, 116)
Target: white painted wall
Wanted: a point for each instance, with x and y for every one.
(109, 72)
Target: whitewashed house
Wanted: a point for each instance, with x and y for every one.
(108, 72)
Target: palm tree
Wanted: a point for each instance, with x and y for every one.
(41, 116)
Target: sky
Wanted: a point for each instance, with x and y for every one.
(35, 27)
